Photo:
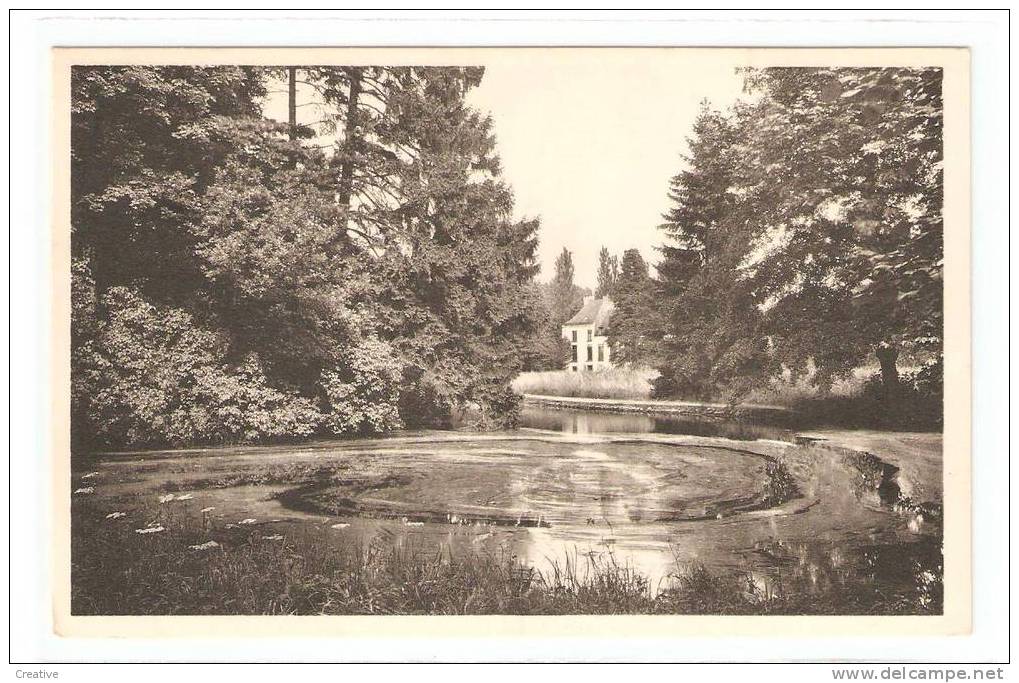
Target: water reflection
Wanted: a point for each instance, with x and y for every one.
(573, 421)
(549, 500)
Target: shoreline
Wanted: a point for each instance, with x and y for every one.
(652, 407)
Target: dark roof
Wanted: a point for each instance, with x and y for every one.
(594, 311)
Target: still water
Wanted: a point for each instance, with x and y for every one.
(598, 422)
(657, 495)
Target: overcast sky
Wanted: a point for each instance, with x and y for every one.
(589, 147)
(589, 138)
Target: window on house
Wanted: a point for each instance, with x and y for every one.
(590, 335)
(574, 349)
(601, 353)
(590, 367)
(574, 368)
(590, 353)
(574, 336)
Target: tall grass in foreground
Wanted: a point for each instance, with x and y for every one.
(624, 383)
(192, 567)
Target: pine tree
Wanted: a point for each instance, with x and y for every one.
(711, 342)
(324, 287)
(634, 329)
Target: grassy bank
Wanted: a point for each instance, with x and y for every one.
(639, 384)
(615, 383)
(179, 563)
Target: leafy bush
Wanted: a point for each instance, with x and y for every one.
(363, 396)
(928, 381)
(424, 402)
(85, 375)
(856, 401)
(158, 378)
(916, 406)
(431, 399)
(669, 385)
(241, 406)
(494, 406)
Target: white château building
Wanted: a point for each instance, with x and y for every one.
(586, 331)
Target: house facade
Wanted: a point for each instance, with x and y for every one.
(587, 334)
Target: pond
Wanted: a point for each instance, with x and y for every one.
(574, 421)
(660, 496)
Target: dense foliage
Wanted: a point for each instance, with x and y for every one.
(608, 273)
(806, 233)
(235, 281)
(564, 295)
(634, 328)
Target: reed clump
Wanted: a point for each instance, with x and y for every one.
(618, 383)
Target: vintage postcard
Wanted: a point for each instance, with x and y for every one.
(504, 340)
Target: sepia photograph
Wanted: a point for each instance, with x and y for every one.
(470, 337)
(537, 332)
(425, 339)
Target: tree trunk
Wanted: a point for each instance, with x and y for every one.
(350, 138)
(887, 354)
(292, 101)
